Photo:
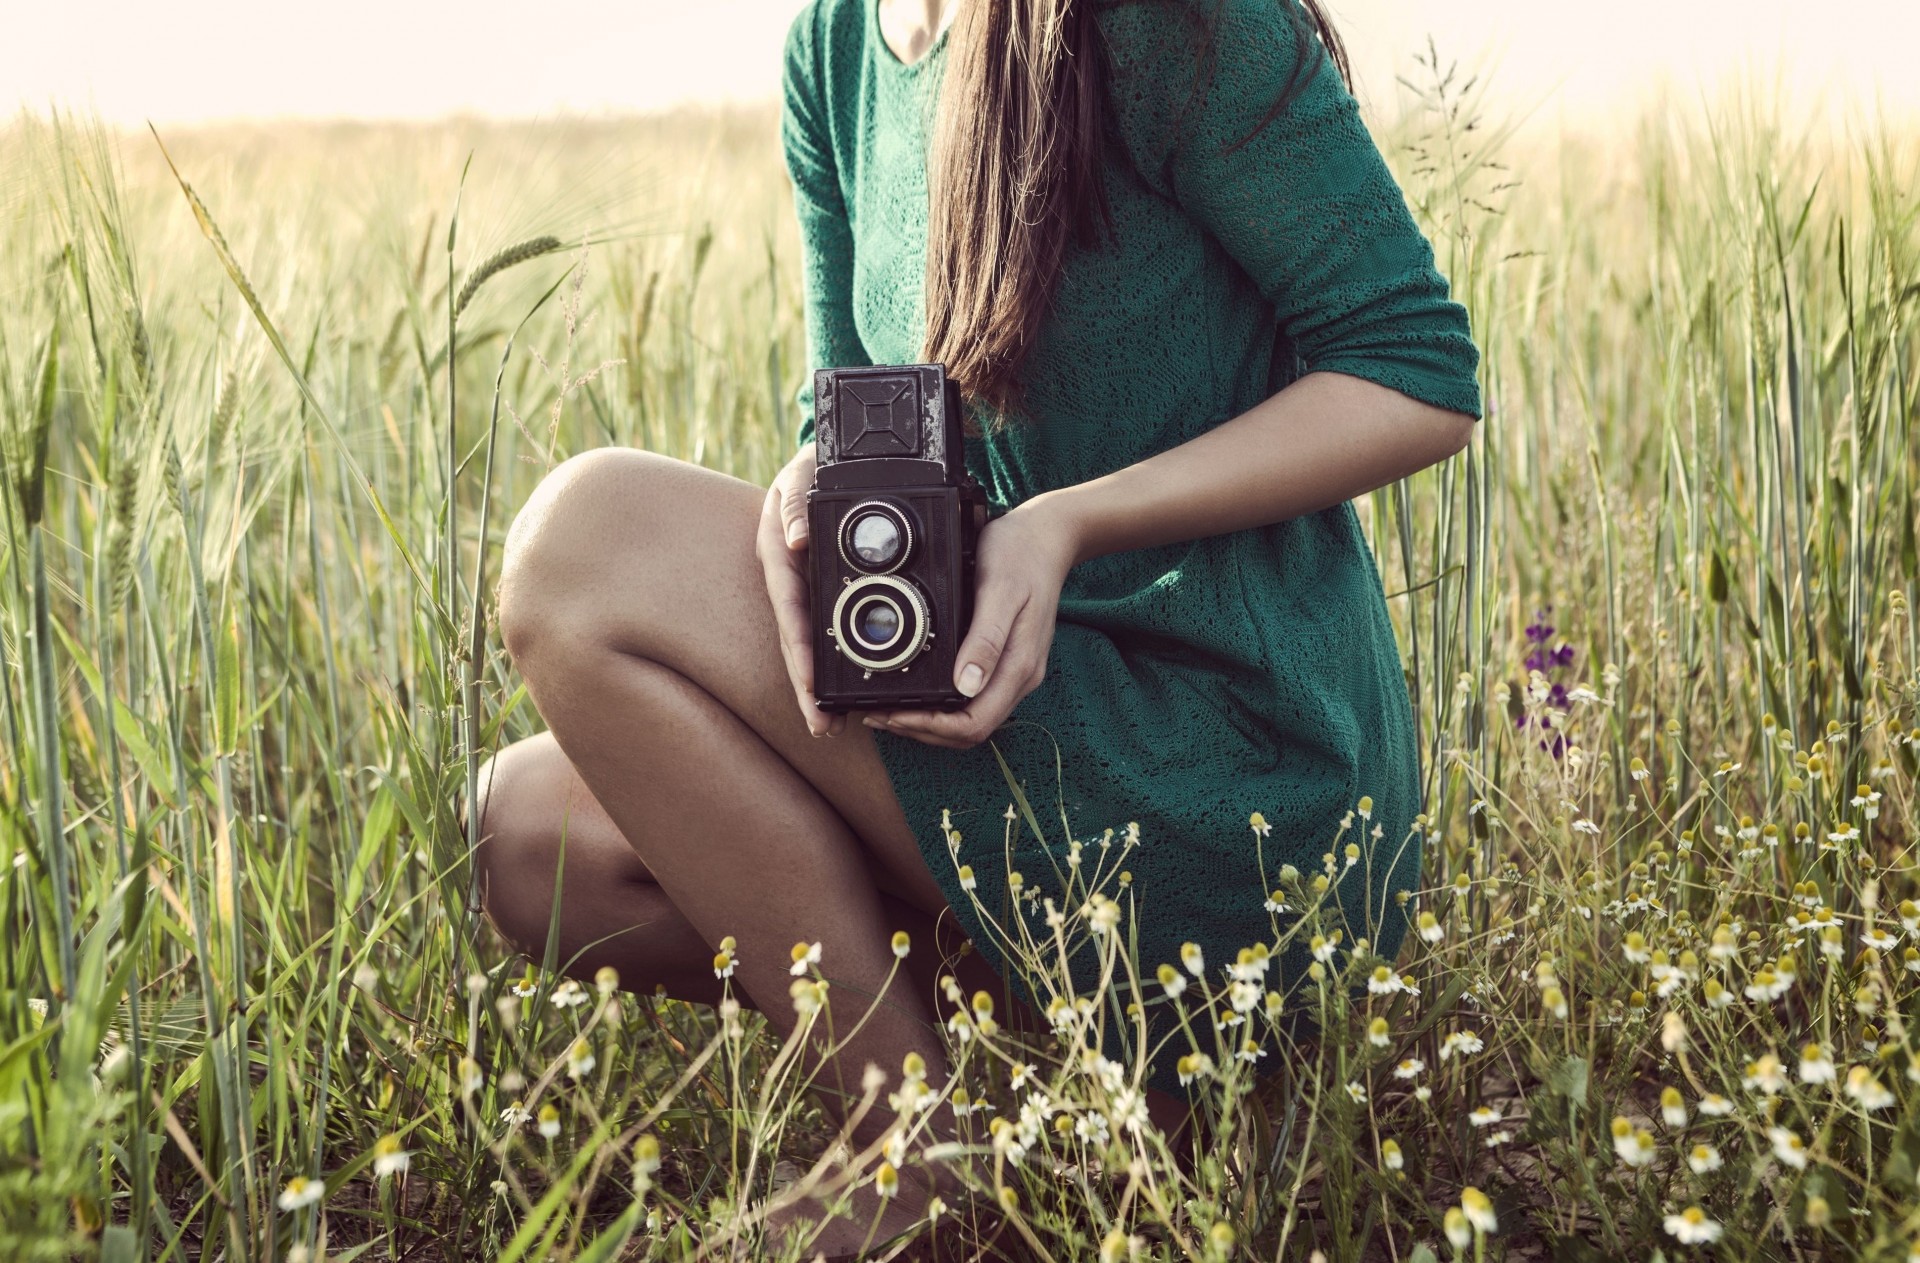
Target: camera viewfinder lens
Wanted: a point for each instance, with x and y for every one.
(876, 539)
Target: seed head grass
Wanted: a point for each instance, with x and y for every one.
(1657, 622)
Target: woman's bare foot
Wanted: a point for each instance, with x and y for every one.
(869, 1222)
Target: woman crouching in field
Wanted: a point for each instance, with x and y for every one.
(1193, 318)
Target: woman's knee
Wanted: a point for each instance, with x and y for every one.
(554, 563)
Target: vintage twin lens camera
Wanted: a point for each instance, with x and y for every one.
(893, 517)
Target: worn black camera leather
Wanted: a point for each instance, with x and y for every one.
(893, 520)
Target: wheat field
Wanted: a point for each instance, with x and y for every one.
(1657, 622)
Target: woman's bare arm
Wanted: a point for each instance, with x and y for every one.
(1326, 438)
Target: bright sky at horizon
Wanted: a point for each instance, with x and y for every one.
(189, 61)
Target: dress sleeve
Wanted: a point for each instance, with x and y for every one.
(1307, 207)
(826, 236)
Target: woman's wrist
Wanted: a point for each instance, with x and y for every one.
(1060, 516)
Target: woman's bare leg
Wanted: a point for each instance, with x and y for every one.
(534, 805)
(634, 607)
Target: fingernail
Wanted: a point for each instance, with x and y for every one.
(970, 679)
(794, 531)
(871, 722)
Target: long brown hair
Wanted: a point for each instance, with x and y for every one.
(1014, 174)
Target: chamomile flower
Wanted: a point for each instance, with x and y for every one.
(1554, 1000)
(1260, 825)
(1714, 1105)
(1191, 957)
(646, 1155)
(901, 944)
(723, 964)
(1703, 1159)
(1250, 1051)
(1390, 1156)
(967, 880)
(805, 956)
(389, 1158)
(1377, 1033)
(1430, 928)
(1383, 981)
(1171, 981)
(1478, 1209)
(580, 1059)
(1788, 1147)
(1251, 964)
(1459, 1231)
(301, 1192)
(808, 997)
(1635, 1147)
(515, 1114)
(1673, 1108)
(1815, 1065)
(569, 994)
(1103, 914)
(1764, 1074)
(1863, 1087)
(1193, 1066)
(1410, 1068)
(1692, 1227)
(1461, 1043)
(1277, 901)
(1485, 1116)
(549, 1125)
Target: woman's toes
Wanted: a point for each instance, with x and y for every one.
(869, 1222)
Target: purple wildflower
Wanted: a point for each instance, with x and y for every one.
(1547, 660)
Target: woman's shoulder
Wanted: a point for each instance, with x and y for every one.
(1181, 68)
(1175, 38)
(822, 35)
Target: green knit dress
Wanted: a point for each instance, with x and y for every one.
(1193, 684)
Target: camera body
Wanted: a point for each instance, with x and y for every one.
(894, 518)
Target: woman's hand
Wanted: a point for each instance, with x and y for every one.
(1023, 559)
(782, 546)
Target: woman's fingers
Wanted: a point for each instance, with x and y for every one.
(997, 606)
(787, 588)
(793, 514)
(1020, 666)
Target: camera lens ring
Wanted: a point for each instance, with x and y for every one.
(915, 630)
(856, 617)
(893, 513)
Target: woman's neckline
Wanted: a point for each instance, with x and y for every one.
(891, 58)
